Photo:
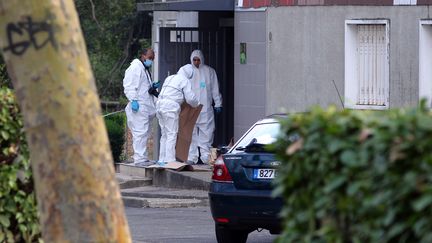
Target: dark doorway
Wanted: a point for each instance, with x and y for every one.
(217, 45)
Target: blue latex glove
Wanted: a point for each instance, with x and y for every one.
(135, 105)
(156, 85)
(218, 110)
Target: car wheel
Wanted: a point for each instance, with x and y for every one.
(227, 235)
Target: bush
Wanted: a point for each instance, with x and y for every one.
(18, 210)
(356, 176)
(4, 78)
(116, 127)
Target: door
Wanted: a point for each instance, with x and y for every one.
(217, 45)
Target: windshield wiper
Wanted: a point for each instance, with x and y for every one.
(252, 142)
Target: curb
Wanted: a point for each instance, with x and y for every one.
(163, 192)
(137, 202)
(162, 188)
(162, 196)
(174, 179)
(135, 183)
(199, 180)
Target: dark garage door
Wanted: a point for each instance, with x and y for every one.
(176, 45)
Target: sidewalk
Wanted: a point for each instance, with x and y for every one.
(163, 188)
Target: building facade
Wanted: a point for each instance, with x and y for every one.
(373, 54)
(290, 55)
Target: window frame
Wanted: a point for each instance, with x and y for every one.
(425, 61)
(351, 63)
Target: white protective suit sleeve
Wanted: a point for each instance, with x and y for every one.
(131, 81)
(189, 95)
(187, 72)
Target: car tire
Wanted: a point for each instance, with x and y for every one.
(227, 235)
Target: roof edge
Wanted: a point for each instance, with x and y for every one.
(188, 5)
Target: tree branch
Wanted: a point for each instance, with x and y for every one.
(94, 15)
(119, 63)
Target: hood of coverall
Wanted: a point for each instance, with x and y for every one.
(186, 71)
(199, 54)
(137, 61)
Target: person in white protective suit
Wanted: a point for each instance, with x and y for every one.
(175, 90)
(205, 84)
(141, 109)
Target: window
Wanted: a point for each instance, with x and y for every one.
(265, 133)
(425, 60)
(171, 23)
(404, 2)
(366, 64)
(184, 36)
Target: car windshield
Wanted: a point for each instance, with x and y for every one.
(265, 133)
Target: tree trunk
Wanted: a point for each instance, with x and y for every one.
(78, 197)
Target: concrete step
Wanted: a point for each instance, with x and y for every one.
(134, 183)
(131, 170)
(128, 181)
(182, 180)
(159, 197)
(160, 192)
(163, 188)
(196, 180)
(139, 202)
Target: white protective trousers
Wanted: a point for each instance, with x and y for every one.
(168, 112)
(140, 125)
(202, 137)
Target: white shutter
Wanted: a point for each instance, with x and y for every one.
(371, 56)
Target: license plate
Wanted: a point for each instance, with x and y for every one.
(264, 173)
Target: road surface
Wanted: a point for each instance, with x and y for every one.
(179, 225)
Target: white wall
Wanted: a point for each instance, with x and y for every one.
(250, 88)
(307, 52)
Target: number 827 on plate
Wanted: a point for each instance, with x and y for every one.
(264, 173)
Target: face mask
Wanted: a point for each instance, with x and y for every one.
(148, 63)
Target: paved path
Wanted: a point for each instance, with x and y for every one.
(179, 225)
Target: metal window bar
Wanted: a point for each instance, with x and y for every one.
(372, 82)
(384, 55)
(371, 56)
(360, 66)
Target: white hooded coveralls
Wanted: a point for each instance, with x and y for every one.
(136, 83)
(205, 85)
(175, 90)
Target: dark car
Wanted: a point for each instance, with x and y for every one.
(241, 189)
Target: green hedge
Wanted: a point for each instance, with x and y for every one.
(116, 127)
(18, 210)
(356, 176)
